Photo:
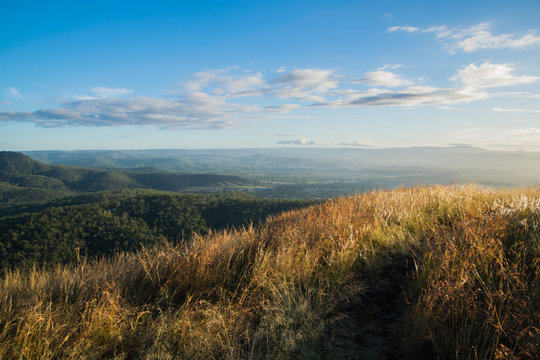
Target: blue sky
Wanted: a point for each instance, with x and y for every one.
(226, 74)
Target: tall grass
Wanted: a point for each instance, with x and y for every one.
(268, 292)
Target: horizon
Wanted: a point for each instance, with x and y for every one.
(282, 148)
(298, 74)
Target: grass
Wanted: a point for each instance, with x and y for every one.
(269, 292)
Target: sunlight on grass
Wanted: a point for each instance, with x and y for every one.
(268, 292)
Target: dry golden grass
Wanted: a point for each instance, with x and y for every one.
(268, 292)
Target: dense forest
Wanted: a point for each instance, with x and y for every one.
(99, 224)
(23, 179)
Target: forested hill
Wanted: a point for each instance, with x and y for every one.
(23, 179)
(102, 223)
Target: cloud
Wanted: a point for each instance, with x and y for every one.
(409, 29)
(225, 83)
(206, 102)
(13, 92)
(473, 81)
(466, 131)
(302, 141)
(411, 96)
(390, 66)
(518, 94)
(489, 75)
(357, 143)
(478, 37)
(99, 92)
(304, 84)
(419, 95)
(499, 109)
(384, 78)
(286, 135)
(105, 92)
(233, 97)
(203, 112)
(474, 38)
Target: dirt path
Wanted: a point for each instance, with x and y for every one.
(364, 325)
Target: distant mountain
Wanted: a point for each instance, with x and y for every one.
(456, 163)
(25, 179)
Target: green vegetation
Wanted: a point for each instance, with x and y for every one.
(278, 290)
(25, 180)
(94, 225)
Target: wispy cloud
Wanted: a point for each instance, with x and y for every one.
(499, 109)
(98, 92)
(302, 141)
(13, 92)
(105, 92)
(390, 66)
(489, 75)
(384, 78)
(304, 84)
(409, 29)
(473, 81)
(192, 113)
(234, 97)
(474, 38)
(357, 143)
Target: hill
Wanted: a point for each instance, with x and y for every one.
(101, 224)
(24, 179)
(430, 273)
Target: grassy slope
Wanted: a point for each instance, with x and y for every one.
(269, 292)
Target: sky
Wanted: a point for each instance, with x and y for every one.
(250, 74)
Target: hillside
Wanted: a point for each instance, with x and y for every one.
(23, 179)
(104, 223)
(430, 273)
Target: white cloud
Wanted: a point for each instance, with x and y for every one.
(106, 92)
(518, 94)
(194, 112)
(304, 84)
(287, 135)
(499, 109)
(231, 97)
(13, 92)
(227, 84)
(478, 37)
(474, 80)
(489, 75)
(302, 141)
(474, 38)
(409, 29)
(357, 143)
(384, 78)
(415, 96)
(390, 66)
(526, 132)
(466, 131)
